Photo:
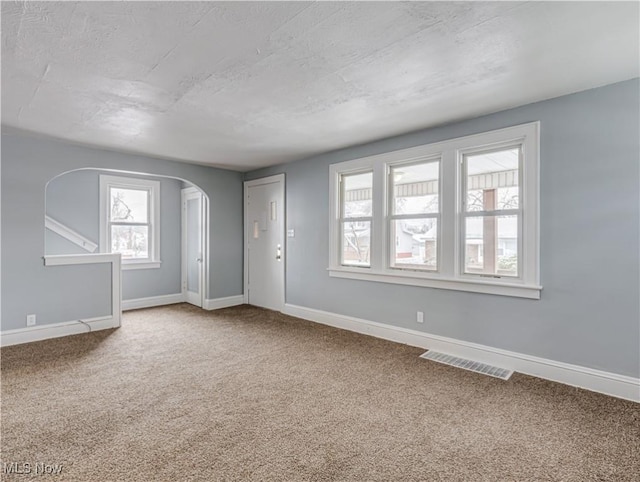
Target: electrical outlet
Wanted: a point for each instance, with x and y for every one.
(31, 320)
(420, 317)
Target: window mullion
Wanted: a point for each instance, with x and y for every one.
(414, 216)
(151, 235)
(498, 212)
(449, 223)
(124, 223)
(356, 220)
(379, 235)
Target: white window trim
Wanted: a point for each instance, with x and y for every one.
(342, 220)
(107, 182)
(451, 247)
(390, 216)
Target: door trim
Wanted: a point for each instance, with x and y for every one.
(204, 219)
(281, 212)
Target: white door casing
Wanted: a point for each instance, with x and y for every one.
(264, 277)
(194, 253)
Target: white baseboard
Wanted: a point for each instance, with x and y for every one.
(138, 303)
(620, 386)
(56, 330)
(211, 304)
(217, 303)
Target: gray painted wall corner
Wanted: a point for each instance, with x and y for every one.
(29, 163)
(589, 314)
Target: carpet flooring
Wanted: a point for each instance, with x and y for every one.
(178, 393)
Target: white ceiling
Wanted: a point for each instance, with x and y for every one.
(244, 85)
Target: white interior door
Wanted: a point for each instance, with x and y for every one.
(192, 246)
(264, 242)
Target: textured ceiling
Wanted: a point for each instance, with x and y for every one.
(244, 85)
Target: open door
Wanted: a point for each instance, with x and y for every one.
(193, 246)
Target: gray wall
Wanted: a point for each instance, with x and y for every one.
(28, 163)
(73, 199)
(589, 313)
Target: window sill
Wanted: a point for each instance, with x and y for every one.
(127, 265)
(473, 286)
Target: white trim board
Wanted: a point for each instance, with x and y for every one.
(209, 304)
(151, 301)
(56, 330)
(217, 303)
(612, 384)
(69, 234)
(69, 259)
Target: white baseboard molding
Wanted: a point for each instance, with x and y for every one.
(138, 303)
(217, 303)
(620, 386)
(56, 330)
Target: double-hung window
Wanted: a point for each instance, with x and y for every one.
(491, 212)
(460, 214)
(356, 208)
(129, 220)
(414, 207)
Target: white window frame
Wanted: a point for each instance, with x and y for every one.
(342, 219)
(451, 244)
(390, 217)
(153, 187)
(464, 215)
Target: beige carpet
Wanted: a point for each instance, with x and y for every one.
(179, 394)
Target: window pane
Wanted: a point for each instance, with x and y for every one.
(357, 201)
(492, 180)
(414, 243)
(491, 245)
(130, 241)
(129, 205)
(356, 239)
(415, 188)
